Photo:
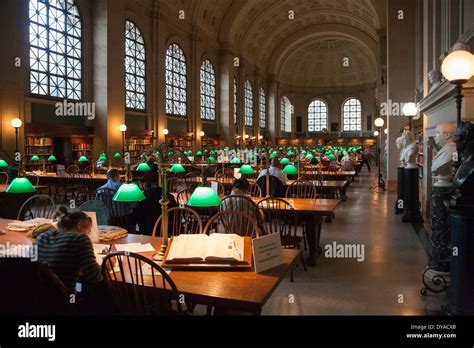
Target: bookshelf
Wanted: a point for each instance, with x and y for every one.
(81, 146)
(136, 145)
(41, 146)
(182, 143)
(209, 143)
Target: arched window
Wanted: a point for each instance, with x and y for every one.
(283, 114)
(55, 37)
(235, 101)
(286, 110)
(176, 81)
(134, 67)
(352, 115)
(263, 109)
(208, 91)
(317, 116)
(248, 104)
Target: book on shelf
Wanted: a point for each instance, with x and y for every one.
(217, 248)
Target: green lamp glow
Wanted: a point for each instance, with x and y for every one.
(246, 169)
(331, 157)
(199, 153)
(204, 197)
(129, 192)
(235, 160)
(117, 155)
(52, 158)
(102, 157)
(177, 168)
(212, 160)
(206, 151)
(303, 152)
(309, 157)
(35, 158)
(273, 155)
(291, 153)
(3, 164)
(290, 169)
(83, 159)
(20, 185)
(284, 161)
(143, 167)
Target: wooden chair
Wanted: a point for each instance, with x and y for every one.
(119, 211)
(34, 179)
(276, 186)
(243, 204)
(233, 221)
(183, 196)
(255, 190)
(280, 218)
(100, 209)
(3, 178)
(87, 170)
(38, 206)
(176, 185)
(192, 181)
(180, 221)
(138, 286)
(301, 189)
(227, 173)
(73, 169)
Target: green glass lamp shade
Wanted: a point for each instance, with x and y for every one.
(206, 151)
(246, 169)
(102, 157)
(129, 193)
(143, 167)
(117, 155)
(332, 157)
(284, 161)
(35, 158)
(21, 185)
(303, 152)
(52, 158)
(309, 157)
(204, 197)
(290, 169)
(280, 149)
(199, 153)
(170, 153)
(83, 159)
(177, 168)
(235, 160)
(251, 157)
(3, 164)
(291, 153)
(212, 160)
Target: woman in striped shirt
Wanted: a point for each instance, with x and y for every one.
(69, 251)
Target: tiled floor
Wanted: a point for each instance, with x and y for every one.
(387, 282)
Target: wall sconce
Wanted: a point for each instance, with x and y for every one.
(165, 131)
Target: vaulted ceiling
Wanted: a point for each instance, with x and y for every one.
(307, 50)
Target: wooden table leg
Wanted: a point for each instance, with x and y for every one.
(313, 234)
(343, 194)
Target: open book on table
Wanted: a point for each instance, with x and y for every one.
(200, 248)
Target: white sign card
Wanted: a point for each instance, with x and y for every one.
(267, 252)
(95, 230)
(215, 186)
(237, 175)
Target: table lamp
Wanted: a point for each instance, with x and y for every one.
(204, 197)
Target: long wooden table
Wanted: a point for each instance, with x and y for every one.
(323, 186)
(311, 211)
(235, 290)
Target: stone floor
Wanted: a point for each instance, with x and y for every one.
(387, 282)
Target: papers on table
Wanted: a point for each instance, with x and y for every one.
(135, 247)
(23, 226)
(101, 251)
